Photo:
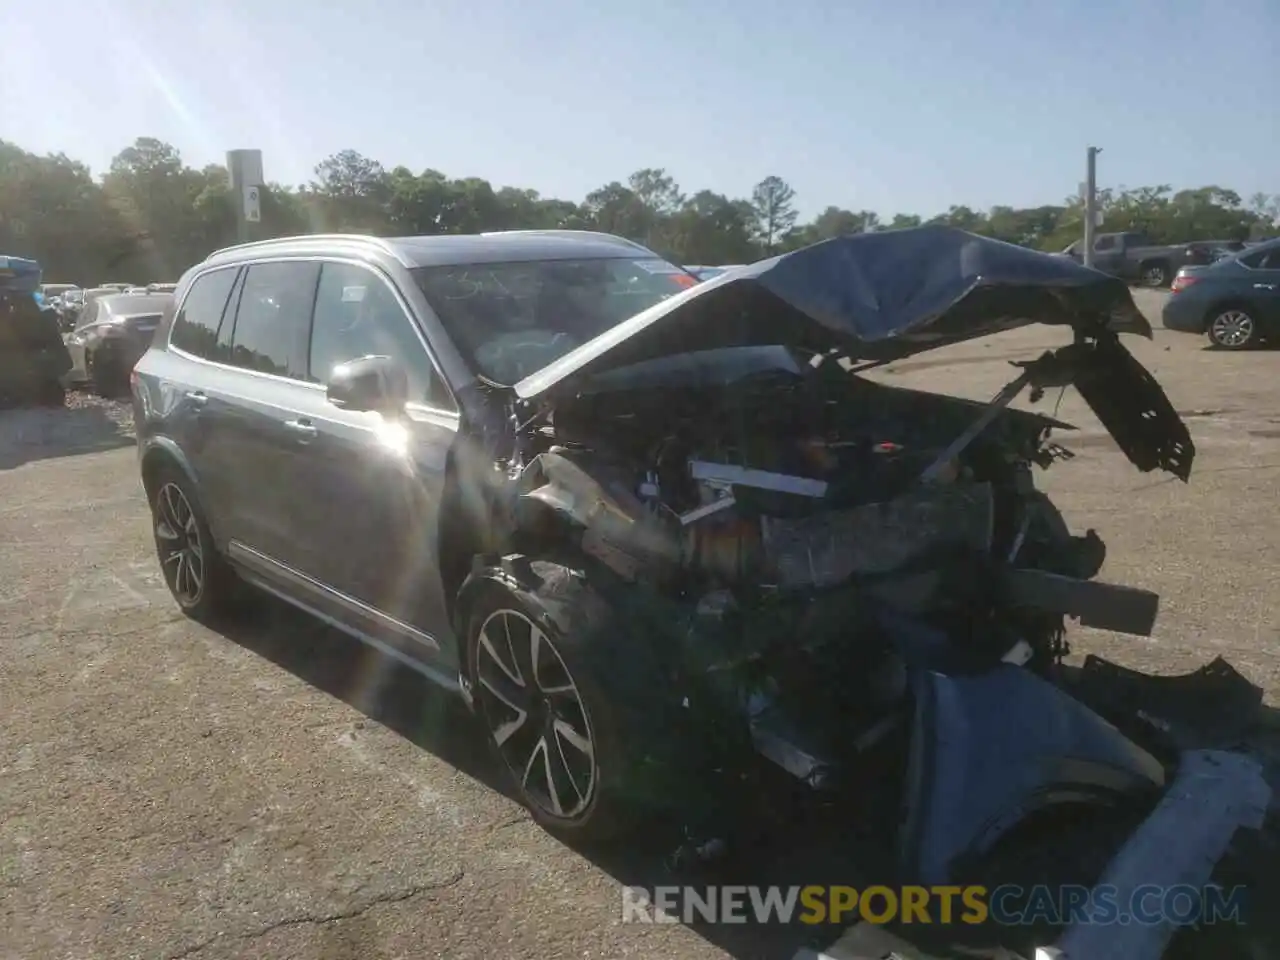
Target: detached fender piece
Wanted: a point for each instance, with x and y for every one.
(989, 749)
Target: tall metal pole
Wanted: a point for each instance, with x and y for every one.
(244, 171)
(1090, 202)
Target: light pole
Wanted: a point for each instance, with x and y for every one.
(244, 169)
(1090, 202)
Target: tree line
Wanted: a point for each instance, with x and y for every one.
(149, 216)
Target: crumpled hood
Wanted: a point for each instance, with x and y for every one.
(875, 296)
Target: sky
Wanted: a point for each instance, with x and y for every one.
(887, 105)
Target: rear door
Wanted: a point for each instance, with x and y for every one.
(260, 439)
(187, 377)
(369, 508)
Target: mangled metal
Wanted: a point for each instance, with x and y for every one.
(842, 562)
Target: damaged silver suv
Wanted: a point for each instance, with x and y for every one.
(663, 537)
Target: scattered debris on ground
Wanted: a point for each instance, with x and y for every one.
(85, 423)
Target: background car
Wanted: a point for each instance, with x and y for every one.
(1132, 256)
(706, 273)
(59, 290)
(113, 333)
(1234, 302)
(1204, 252)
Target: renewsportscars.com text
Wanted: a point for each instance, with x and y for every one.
(1008, 905)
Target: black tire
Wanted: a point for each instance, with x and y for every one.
(1232, 327)
(1155, 275)
(105, 377)
(186, 551)
(590, 668)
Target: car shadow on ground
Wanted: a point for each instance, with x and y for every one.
(434, 720)
(28, 434)
(798, 851)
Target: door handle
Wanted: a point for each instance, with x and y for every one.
(197, 398)
(305, 430)
(1264, 286)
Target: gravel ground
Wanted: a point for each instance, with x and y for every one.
(86, 424)
(275, 791)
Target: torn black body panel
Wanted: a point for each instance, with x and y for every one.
(989, 749)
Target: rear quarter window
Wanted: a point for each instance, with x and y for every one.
(195, 328)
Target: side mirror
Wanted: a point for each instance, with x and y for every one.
(369, 383)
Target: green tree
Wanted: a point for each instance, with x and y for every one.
(773, 201)
(151, 216)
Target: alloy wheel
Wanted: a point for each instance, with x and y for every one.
(1154, 277)
(535, 714)
(1232, 328)
(178, 541)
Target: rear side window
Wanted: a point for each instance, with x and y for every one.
(273, 319)
(1268, 259)
(195, 328)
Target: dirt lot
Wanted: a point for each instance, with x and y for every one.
(167, 791)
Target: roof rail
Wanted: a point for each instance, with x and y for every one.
(570, 234)
(378, 242)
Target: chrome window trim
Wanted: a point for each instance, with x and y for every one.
(321, 259)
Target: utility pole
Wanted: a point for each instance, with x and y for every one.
(244, 169)
(1090, 202)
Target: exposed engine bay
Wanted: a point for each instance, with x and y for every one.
(798, 476)
(786, 566)
(794, 506)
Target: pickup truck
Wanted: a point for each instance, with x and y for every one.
(1132, 257)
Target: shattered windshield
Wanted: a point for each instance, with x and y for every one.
(512, 319)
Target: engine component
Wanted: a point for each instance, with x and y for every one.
(730, 475)
(878, 538)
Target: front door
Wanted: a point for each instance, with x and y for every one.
(371, 496)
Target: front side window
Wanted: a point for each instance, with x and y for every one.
(195, 328)
(509, 320)
(273, 318)
(1105, 243)
(358, 315)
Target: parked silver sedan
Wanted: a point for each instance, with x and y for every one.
(113, 332)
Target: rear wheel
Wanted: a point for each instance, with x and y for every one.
(105, 376)
(197, 576)
(53, 394)
(1232, 328)
(1155, 275)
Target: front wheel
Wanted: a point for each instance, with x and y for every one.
(570, 700)
(1232, 328)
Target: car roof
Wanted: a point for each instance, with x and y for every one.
(508, 246)
(142, 302)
